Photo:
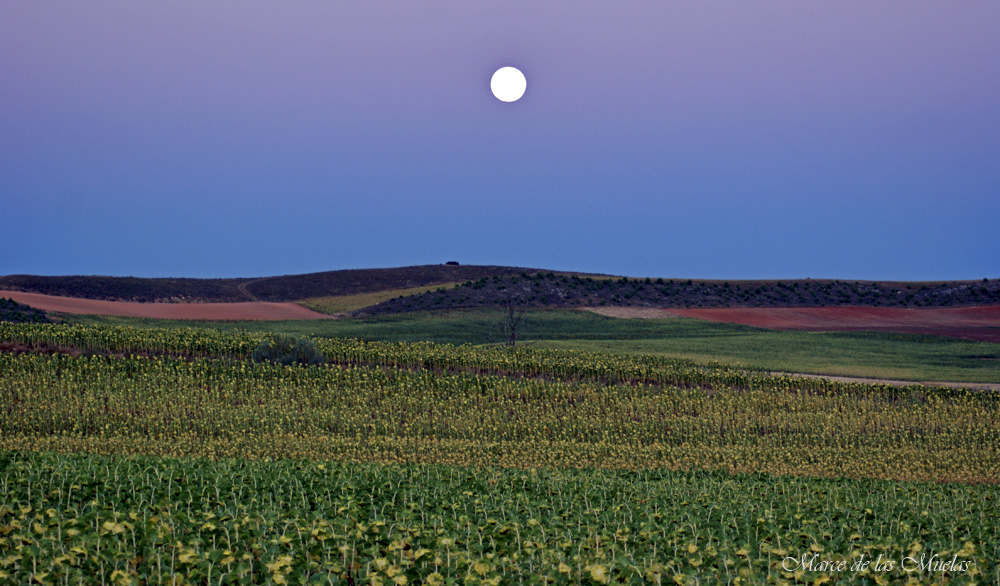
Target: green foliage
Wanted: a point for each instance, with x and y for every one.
(287, 350)
(563, 291)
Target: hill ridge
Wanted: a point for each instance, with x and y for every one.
(547, 289)
(491, 285)
(278, 288)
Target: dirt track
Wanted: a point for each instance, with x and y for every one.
(207, 311)
(899, 383)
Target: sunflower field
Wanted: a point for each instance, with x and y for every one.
(169, 457)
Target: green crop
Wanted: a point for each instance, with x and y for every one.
(139, 520)
(182, 407)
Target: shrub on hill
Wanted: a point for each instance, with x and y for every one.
(288, 350)
(13, 311)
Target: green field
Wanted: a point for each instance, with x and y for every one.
(125, 520)
(863, 354)
(344, 303)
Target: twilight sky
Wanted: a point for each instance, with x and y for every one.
(718, 139)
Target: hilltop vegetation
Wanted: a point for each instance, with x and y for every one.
(546, 289)
(432, 287)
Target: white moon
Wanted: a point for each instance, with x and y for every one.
(508, 84)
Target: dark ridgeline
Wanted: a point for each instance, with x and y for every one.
(278, 288)
(494, 286)
(546, 289)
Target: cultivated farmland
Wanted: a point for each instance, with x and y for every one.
(166, 456)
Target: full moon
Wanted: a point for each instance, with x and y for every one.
(508, 84)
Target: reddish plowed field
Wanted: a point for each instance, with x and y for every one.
(208, 311)
(976, 323)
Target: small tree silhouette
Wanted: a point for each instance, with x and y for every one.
(509, 327)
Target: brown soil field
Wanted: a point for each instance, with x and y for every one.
(206, 311)
(975, 323)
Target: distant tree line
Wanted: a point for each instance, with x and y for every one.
(547, 289)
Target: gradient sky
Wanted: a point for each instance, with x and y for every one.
(716, 139)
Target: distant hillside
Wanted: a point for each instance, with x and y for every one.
(551, 290)
(280, 288)
(484, 286)
(11, 310)
(351, 282)
(127, 288)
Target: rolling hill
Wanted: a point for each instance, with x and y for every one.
(547, 289)
(487, 286)
(272, 289)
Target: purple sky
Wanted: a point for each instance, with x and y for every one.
(718, 139)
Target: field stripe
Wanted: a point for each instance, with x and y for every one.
(205, 311)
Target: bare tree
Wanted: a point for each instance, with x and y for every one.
(509, 326)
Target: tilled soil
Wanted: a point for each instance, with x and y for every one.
(974, 323)
(206, 311)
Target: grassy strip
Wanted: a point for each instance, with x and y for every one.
(878, 355)
(345, 303)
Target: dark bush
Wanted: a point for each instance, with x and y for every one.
(13, 311)
(288, 350)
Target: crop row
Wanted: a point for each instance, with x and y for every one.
(178, 407)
